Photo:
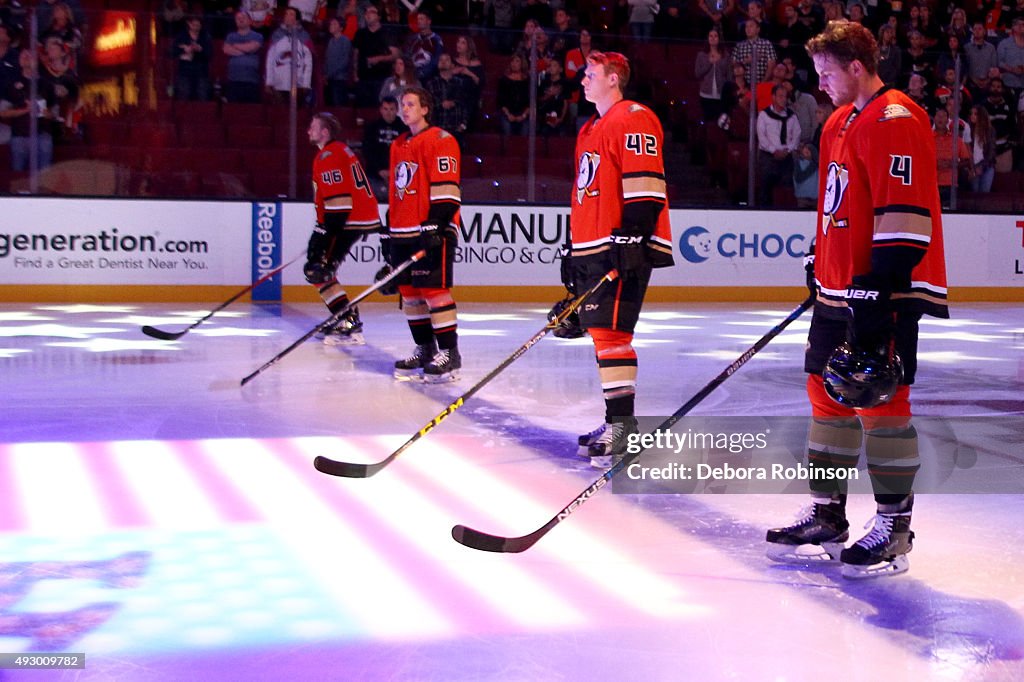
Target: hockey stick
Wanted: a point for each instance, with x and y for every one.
(351, 470)
(171, 336)
(333, 319)
(496, 543)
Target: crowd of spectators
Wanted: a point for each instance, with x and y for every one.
(363, 53)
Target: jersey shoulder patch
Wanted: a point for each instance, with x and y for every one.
(325, 154)
(894, 111)
(635, 107)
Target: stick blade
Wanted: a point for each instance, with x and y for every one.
(333, 467)
(485, 542)
(161, 334)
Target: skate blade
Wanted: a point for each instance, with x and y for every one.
(805, 555)
(354, 339)
(411, 375)
(900, 564)
(601, 462)
(441, 378)
(583, 451)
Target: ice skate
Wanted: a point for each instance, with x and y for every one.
(444, 366)
(585, 440)
(411, 368)
(883, 551)
(347, 332)
(817, 536)
(611, 443)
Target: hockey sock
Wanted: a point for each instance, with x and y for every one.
(833, 443)
(417, 314)
(892, 462)
(617, 368)
(334, 296)
(443, 317)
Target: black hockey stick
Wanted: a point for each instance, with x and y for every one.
(171, 336)
(351, 470)
(333, 319)
(497, 543)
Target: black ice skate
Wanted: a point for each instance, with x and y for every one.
(444, 366)
(347, 332)
(585, 440)
(611, 443)
(883, 551)
(411, 368)
(816, 537)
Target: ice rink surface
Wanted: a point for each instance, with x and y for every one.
(169, 524)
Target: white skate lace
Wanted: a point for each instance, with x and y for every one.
(441, 358)
(804, 516)
(880, 533)
(611, 432)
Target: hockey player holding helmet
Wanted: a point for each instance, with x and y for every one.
(879, 267)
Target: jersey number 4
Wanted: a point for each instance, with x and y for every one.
(642, 145)
(900, 168)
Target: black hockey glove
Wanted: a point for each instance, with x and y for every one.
(872, 324)
(565, 270)
(812, 286)
(319, 244)
(385, 249)
(430, 236)
(389, 289)
(627, 252)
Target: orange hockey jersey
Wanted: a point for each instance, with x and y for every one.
(339, 184)
(620, 160)
(878, 190)
(426, 172)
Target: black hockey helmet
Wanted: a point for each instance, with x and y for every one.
(861, 379)
(570, 327)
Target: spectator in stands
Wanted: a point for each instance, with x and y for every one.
(1011, 59)
(981, 58)
(811, 15)
(62, 27)
(337, 65)
(580, 109)
(261, 14)
(718, 15)
(534, 10)
(791, 37)
(402, 77)
(450, 98)
(1001, 116)
(805, 106)
(929, 27)
(859, 15)
(757, 67)
(754, 10)
(172, 17)
(712, 69)
(948, 58)
(17, 116)
(983, 150)
(468, 65)
(946, 90)
(641, 19)
(62, 79)
(514, 97)
(290, 41)
(423, 48)
(825, 110)
(309, 10)
(763, 94)
(805, 176)
(242, 47)
(948, 169)
(8, 59)
(563, 37)
(1008, 14)
(500, 17)
(958, 26)
(553, 92)
(377, 139)
(45, 10)
(348, 17)
(12, 15)
(778, 136)
(192, 49)
(374, 56)
(672, 21)
(917, 59)
(917, 90)
(890, 57)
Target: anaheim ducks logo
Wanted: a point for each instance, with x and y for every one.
(836, 181)
(404, 173)
(587, 176)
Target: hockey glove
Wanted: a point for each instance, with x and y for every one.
(627, 252)
(389, 289)
(565, 270)
(812, 286)
(385, 249)
(319, 244)
(872, 324)
(430, 236)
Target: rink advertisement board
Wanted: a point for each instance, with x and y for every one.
(119, 242)
(192, 243)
